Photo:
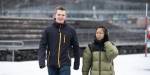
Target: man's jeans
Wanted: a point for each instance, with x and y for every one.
(64, 70)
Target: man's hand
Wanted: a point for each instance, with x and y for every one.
(76, 65)
(42, 66)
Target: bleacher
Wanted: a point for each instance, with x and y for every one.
(15, 30)
(28, 31)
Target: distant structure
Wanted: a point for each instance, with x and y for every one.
(22, 21)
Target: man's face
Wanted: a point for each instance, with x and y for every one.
(60, 16)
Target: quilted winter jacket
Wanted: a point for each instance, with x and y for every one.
(99, 62)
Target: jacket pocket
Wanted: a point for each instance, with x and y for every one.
(64, 39)
(48, 57)
(69, 56)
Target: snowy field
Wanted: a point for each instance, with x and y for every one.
(135, 64)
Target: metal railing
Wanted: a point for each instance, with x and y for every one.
(11, 45)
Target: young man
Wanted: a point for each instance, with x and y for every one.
(57, 40)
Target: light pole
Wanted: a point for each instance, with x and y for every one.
(94, 12)
(146, 28)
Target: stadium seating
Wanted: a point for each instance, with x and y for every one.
(29, 31)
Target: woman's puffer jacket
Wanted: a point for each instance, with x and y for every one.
(99, 62)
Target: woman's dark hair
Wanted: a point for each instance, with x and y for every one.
(106, 38)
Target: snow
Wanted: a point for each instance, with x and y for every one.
(135, 64)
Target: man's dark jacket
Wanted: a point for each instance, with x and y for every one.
(57, 40)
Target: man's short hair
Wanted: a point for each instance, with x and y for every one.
(59, 8)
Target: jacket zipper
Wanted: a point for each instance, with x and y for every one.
(99, 63)
(69, 55)
(59, 48)
(64, 39)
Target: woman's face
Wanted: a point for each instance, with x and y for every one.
(99, 34)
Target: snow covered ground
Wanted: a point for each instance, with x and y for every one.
(135, 64)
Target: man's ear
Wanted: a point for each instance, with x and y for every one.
(54, 18)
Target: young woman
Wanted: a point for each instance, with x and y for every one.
(98, 56)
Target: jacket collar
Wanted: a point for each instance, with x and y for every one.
(59, 25)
